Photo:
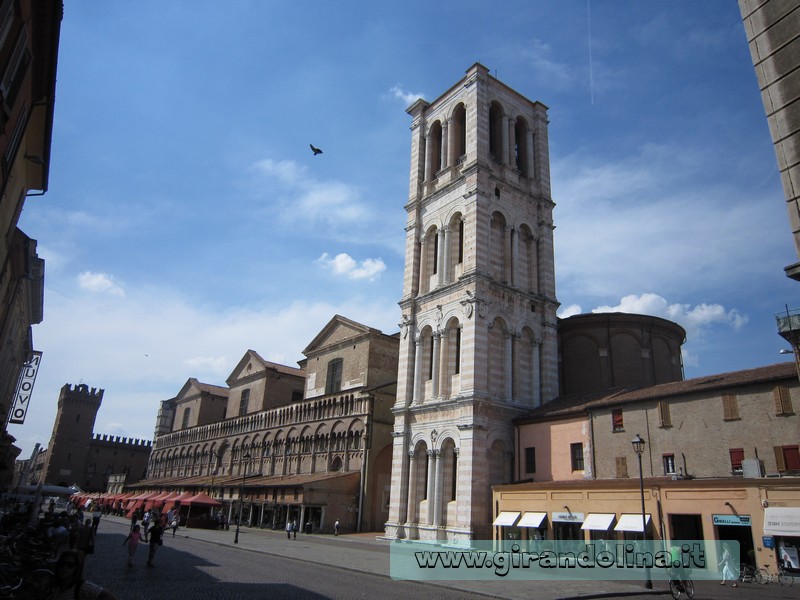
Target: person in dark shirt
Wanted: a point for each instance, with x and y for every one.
(156, 539)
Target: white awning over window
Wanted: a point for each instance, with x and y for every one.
(631, 523)
(782, 521)
(601, 521)
(506, 519)
(531, 519)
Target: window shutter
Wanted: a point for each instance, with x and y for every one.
(664, 416)
(783, 401)
(779, 458)
(737, 456)
(622, 466)
(730, 408)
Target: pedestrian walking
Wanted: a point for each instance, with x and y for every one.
(146, 523)
(726, 564)
(294, 530)
(96, 514)
(336, 528)
(133, 542)
(288, 529)
(156, 534)
(70, 583)
(174, 524)
(84, 540)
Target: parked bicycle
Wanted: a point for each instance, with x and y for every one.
(764, 575)
(747, 573)
(679, 584)
(38, 584)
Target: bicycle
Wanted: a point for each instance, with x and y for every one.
(39, 584)
(680, 585)
(747, 573)
(783, 577)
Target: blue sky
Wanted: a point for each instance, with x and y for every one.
(187, 220)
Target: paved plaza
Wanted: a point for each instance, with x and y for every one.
(232, 570)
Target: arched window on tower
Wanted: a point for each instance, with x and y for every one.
(497, 247)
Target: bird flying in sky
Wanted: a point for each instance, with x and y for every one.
(315, 150)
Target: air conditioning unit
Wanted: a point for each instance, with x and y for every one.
(752, 468)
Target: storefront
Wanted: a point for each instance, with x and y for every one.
(567, 526)
(737, 528)
(783, 524)
(599, 526)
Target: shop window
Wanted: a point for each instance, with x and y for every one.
(783, 401)
(730, 407)
(669, 464)
(576, 455)
(617, 424)
(621, 466)
(664, 416)
(737, 456)
(530, 460)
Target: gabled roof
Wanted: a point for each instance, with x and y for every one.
(336, 325)
(252, 355)
(192, 387)
(584, 402)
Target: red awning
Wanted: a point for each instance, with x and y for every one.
(202, 500)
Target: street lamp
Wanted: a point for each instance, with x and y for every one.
(638, 447)
(241, 493)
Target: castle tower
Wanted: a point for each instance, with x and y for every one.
(478, 337)
(67, 453)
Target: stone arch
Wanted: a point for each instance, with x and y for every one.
(458, 133)
(497, 358)
(498, 246)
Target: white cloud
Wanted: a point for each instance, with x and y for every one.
(344, 264)
(408, 97)
(694, 319)
(327, 206)
(569, 311)
(539, 56)
(211, 364)
(100, 283)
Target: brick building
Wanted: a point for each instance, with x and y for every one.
(76, 455)
(310, 444)
(29, 37)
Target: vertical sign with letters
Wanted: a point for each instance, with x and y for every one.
(22, 396)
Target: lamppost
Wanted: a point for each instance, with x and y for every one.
(638, 447)
(241, 493)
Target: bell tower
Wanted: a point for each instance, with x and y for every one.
(478, 337)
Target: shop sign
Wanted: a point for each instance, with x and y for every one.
(22, 395)
(568, 517)
(768, 541)
(743, 520)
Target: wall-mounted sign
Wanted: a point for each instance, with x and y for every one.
(22, 396)
(743, 520)
(568, 517)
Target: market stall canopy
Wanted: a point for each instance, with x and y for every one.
(202, 500)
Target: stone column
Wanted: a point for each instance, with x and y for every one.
(418, 381)
(435, 358)
(509, 366)
(447, 261)
(445, 128)
(507, 254)
(411, 501)
(437, 489)
(504, 131)
(536, 382)
(431, 483)
(439, 258)
(514, 242)
(529, 145)
(428, 160)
